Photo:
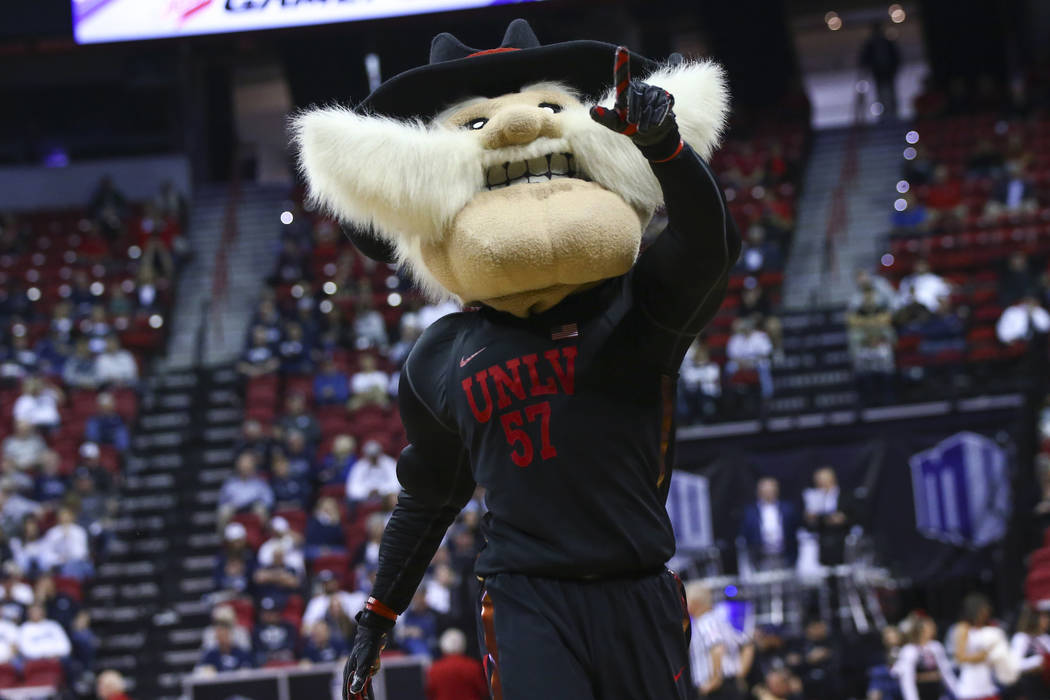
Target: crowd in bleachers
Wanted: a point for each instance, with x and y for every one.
(83, 300)
(962, 293)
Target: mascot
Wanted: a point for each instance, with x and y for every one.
(519, 180)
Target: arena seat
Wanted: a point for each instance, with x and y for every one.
(42, 672)
(8, 676)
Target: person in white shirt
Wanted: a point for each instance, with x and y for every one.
(432, 312)
(115, 365)
(285, 539)
(369, 384)
(699, 384)
(40, 638)
(750, 348)
(38, 404)
(982, 652)
(1023, 320)
(922, 666)
(369, 326)
(331, 602)
(373, 476)
(24, 447)
(924, 288)
(8, 641)
(1030, 645)
(66, 544)
(720, 657)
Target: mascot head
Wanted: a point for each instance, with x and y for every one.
(483, 174)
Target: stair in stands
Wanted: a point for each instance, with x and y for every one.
(814, 374)
(146, 600)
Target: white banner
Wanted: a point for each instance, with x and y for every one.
(96, 21)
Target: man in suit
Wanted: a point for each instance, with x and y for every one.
(769, 528)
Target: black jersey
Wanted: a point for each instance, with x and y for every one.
(565, 417)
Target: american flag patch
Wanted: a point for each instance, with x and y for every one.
(569, 330)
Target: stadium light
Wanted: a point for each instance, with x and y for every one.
(394, 299)
(156, 321)
(900, 204)
(887, 260)
(912, 136)
(910, 153)
(286, 217)
(897, 13)
(903, 186)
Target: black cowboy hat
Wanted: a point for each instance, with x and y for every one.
(457, 71)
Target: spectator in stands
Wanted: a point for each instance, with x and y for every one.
(259, 359)
(942, 331)
(110, 686)
(156, 238)
(51, 353)
(324, 530)
(770, 528)
(369, 384)
(14, 507)
(254, 439)
(107, 427)
(373, 477)
(235, 565)
(50, 486)
(24, 447)
(289, 490)
(913, 214)
(753, 301)
(778, 685)
(456, 676)
(294, 351)
(40, 638)
(296, 417)
(20, 360)
(226, 656)
(38, 404)
(300, 455)
(429, 313)
(369, 327)
(225, 614)
(331, 385)
(759, 254)
(244, 491)
(268, 318)
(828, 515)
(59, 606)
(871, 342)
(91, 465)
(411, 329)
(80, 370)
(119, 304)
(1017, 280)
(1013, 193)
(15, 596)
(283, 538)
(324, 647)
(1023, 321)
(97, 328)
(821, 662)
(374, 527)
(336, 466)
(880, 57)
(416, 632)
(700, 385)
(292, 263)
(116, 366)
(8, 641)
(274, 639)
(923, 288)
(29, 551)
(750, 348)
(22, 480)
(146, 286)
(66, 544)
(278, 579)
(332, 605)
(864, 280)
(107, 199)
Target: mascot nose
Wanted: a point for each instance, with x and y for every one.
(516, 126)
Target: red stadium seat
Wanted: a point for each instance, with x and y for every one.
(296, 519)
(244, 610)
(253, 528)
(336, 562)
(8, 676)
(42, 672)
(70, 587)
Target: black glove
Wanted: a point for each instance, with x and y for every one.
(363, 662)
(642, 111)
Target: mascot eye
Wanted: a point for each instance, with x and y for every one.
(551, 106)
(476, 124)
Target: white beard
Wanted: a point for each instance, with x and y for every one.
(406, 180)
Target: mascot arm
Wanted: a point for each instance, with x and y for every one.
(681, 278)
(436, 483)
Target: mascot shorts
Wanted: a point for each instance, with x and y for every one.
(609, 639)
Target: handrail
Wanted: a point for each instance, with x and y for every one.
(221, 273)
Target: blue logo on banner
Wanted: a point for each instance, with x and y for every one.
(689, 507)
(962, 490)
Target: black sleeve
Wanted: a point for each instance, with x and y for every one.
(681, 279)
(436, 483)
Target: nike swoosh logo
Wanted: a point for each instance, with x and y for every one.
(464, 360)
(679, 674)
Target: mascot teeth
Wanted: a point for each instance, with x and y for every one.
(534, 170)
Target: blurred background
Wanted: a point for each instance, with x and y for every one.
(198, 374)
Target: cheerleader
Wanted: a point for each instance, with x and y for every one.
(982, 652)
(922, 667)
(1030, 644)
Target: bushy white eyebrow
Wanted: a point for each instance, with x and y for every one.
(550, 86)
